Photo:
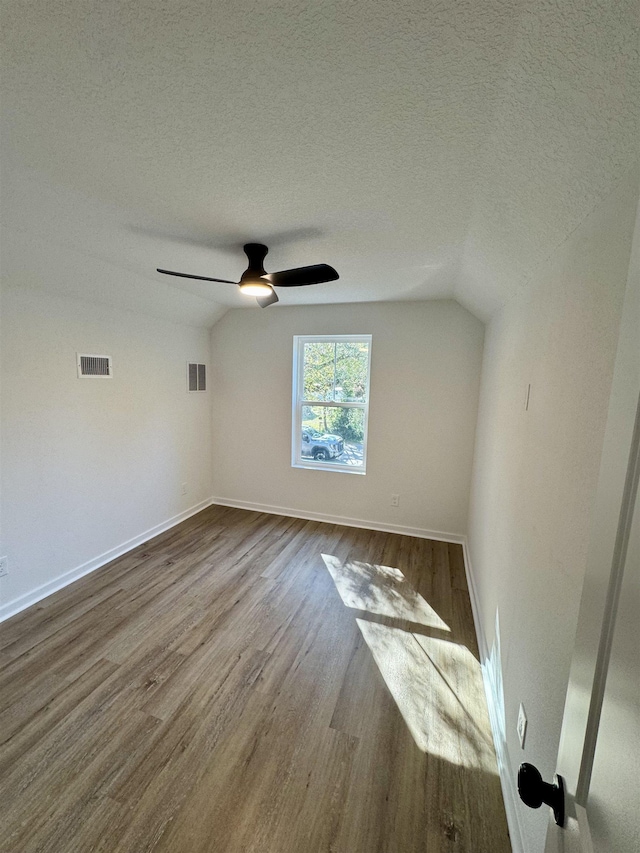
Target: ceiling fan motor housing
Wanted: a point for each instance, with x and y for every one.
(252, 281)
(256, 253)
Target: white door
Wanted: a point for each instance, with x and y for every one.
(599, 754)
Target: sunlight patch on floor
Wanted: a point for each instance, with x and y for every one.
(381, 590)
(435, 682)
(437, 687)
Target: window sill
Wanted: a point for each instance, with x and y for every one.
(328, 466)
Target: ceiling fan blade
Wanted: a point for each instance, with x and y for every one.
(199, 277)
(264, 301)
(315, 274)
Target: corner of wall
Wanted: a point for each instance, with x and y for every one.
(491, 667)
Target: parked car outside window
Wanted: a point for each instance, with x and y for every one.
(321, 446)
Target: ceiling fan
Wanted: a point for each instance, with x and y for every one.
(255, 281)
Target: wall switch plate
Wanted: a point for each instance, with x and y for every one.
(522, 725)
(183, 491)
(395, 500)
(4, 566)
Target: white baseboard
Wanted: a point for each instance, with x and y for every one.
(494, 702)
(341, 519)
(475, 603)
(22, 602)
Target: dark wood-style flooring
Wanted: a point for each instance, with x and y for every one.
(251, 682)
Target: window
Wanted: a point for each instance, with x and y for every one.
(331, 402)
(196, 377)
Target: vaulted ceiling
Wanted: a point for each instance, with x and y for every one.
(426, 149)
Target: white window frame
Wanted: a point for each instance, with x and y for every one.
(297, 460)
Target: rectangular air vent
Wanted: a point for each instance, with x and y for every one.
(196, 377)
(94, 366)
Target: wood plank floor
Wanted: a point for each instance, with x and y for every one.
(250, 682)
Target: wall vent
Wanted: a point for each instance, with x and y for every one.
(94, 366)
(196, 377)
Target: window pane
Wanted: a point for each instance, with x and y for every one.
(319, 369)
(333, 434)
(352, 361)
(193, 377)
(202, 377)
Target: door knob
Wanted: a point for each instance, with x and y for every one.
(534, 792)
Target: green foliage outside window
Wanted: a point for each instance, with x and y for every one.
(335, 371)
(347, 423)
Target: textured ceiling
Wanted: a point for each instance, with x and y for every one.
(424, 149)
(565, 131)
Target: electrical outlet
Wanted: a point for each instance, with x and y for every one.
(395, 500)
(522, 725)
(4, 566)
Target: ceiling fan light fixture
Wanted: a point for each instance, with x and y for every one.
(255, 288)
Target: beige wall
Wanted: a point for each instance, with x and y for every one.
(425, 369)
(88, 465)
(535, 474)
